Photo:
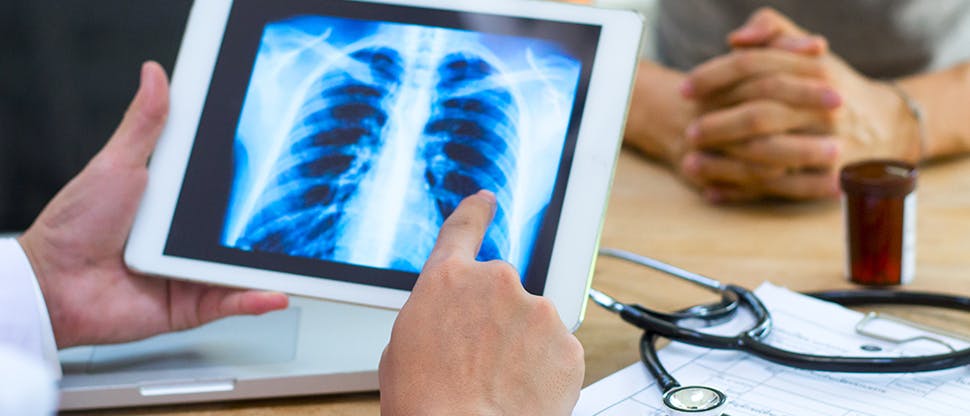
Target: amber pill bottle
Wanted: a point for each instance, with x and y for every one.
(879, 202)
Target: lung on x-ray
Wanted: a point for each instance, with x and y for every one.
(358, 138)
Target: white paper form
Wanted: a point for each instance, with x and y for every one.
(758, 388)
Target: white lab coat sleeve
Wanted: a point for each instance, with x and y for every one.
(24, 321)
(26, 385)
(29, 367)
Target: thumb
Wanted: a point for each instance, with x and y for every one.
(135, 138)
(805, 45)
(764, 26)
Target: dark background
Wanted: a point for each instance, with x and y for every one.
(68, 69)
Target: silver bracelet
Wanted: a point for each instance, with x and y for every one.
(917, 111)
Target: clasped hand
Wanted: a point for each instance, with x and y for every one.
(781, 113)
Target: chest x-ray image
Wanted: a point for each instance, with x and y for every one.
(358, 138)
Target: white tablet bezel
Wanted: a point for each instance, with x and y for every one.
(577, 237)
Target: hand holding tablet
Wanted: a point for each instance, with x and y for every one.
(316, 147)
(75, 246)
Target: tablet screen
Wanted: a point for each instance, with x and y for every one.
(337, 136)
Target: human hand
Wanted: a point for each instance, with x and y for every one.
(659, 114)
(75, 246)
(782, 114)
(471, 341)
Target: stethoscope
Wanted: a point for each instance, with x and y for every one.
(681, 327)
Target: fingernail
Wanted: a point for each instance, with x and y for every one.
(799, 44)
(789, 44)
(687, 89)
(143, 84)
(832, 150)
(820, 42)
(746, 33)
(488, 195)
(831, 99)
(691, 164)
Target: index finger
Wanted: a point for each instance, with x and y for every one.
(463, 230)
(731, 69)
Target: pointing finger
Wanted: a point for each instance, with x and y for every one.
(462, 232)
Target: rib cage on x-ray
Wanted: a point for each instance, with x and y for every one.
(471, 137)
(333, 146)
(467, 144)
(357, 139)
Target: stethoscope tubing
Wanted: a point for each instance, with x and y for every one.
(648, 354)
(752, 341)
(893, 297)
(918, 364)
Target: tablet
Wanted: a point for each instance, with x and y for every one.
(314, 147)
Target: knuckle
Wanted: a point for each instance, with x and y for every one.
(448, 268)
(819, 154)
(828, 120)
(695, 176)
(809, 95)
(696, 167)
(757, 118)
(822, 71)
(544, 311)
(759, 149)
(148, 117)
(504, 275)
(767, 87)
(459, 220)
(831, 120)
(575, 351)
(451, 262)
(768, 173)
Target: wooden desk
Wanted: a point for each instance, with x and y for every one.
(796, 245)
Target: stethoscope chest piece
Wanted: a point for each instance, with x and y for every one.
(694, 400)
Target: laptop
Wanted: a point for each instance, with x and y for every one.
(313, 347)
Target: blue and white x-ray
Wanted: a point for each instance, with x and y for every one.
(358, 138)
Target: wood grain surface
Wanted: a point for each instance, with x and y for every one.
(800, 246)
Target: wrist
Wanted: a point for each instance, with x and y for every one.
(910, 127)
(659, 114)
(432, 406)
(48, 289)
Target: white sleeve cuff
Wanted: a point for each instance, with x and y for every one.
(24, 321)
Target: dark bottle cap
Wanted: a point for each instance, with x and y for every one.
(880, 178)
